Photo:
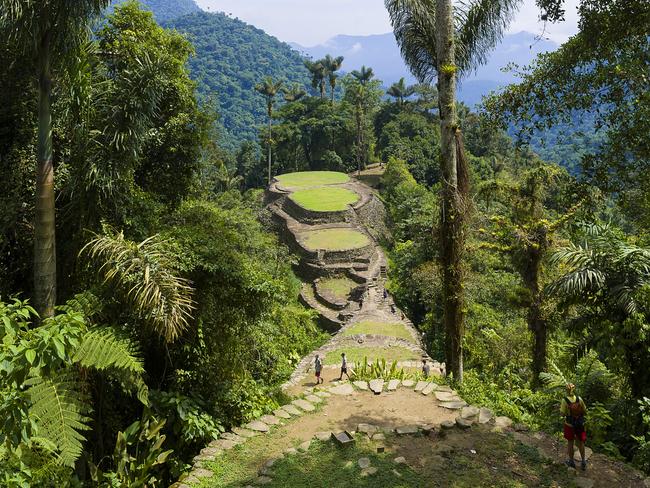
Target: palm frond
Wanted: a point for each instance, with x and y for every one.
(145, 274)
(61, 414)
(480, 25)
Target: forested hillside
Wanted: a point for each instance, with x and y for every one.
(231, 57)
(164, 10)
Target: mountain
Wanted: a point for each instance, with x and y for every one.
(164, 10)
(231, 57)
(382, 54)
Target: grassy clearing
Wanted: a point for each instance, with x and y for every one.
(336, 239)
(389, 329)
(312, 178)
(325, 199)
(356, 354)
(338, 287)
(495, 462)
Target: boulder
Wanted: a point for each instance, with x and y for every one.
(485, 415)
(470, 412)
(393, 384)
(377, 386)
(464, 423)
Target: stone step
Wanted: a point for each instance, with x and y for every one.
(304, 405)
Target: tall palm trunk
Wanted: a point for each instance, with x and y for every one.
(270, 112)
(452, 241)
(536, 320)
(44, 222)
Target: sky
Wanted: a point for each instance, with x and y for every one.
(311, 22)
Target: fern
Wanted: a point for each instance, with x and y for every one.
(105, 349)
(61, 413)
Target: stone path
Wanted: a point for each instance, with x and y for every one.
(372, 407)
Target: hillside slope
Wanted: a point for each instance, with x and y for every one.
(231, 57)
(164, 10)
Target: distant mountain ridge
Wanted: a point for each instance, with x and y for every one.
(382, 53)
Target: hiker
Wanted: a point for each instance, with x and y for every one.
(573, 408)
(392, 308)
(385, 293)
(426, 369)
(344, 366)
(318, 367)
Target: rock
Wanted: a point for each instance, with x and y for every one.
(447, 424)
(379, 436)
(520, 428)
(233, 437)
(223, 444)
(269, 419)
(427, 428)
(304, 404)
(421, 385)
(584, 482)
(362, 385)
(453, 405)
(263, 480)
(292, 410)
(323, 436)
(202, 473)
(368, 471)
(244, 432)
(191, 480)
(501, 423)
(313, 399)
(436, 372)
(485, 415)
(323, 394)
(364, 463)
(211, 451)
(304, 447)
(407, 429)
(445, 396)
(469, 412)
(348, 464)
(464, 423)
(377, 386)
(344, 389)
(397, 473)
(291, 451)
(408, 383)
(446, 388)
(367, 428)
(427, 390)
(393, 384)
(400, 460)
(258, 426)
(280, 413)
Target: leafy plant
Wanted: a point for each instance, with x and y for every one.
(365, 371)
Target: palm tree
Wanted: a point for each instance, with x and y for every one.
(269, 89)
(332, 65)
(364, 75)
(318, 75)
(50, 30)
(399, 91)
(440, 40)
(294, 93)
(609, 276)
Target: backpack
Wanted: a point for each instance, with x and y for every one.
(576, 417)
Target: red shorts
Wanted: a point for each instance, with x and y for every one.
(317, 374)
(569, 435)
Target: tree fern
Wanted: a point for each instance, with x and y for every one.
(61, 412)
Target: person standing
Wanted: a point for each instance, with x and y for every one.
(344, 367)
(426, 369)
(573, 408)
(318, 367)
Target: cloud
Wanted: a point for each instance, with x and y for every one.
(356, 48)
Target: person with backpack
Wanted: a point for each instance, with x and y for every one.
(573, 409)
(318, 367)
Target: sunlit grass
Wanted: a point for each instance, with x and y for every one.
(389, 329)
(339, 287)
(356, 354)
(312, 178)
(325, 199)
(336, 239)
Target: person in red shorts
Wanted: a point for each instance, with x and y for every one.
(573, 409)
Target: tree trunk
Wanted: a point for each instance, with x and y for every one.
(536, 321)
(451, 231)
(44, 221)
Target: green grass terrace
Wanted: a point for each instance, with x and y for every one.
(395, 329)
(357, 355)
(308, 179)
(334, 239)
(338, 287)
(325, 199)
